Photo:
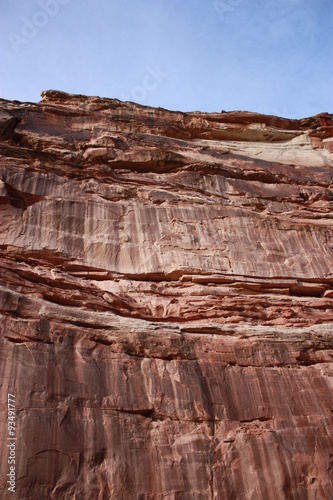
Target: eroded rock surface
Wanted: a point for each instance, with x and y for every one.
(166, 293)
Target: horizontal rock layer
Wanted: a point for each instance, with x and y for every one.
(166, 293)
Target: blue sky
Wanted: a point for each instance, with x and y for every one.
(269, 56)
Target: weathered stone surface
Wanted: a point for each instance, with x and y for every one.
(166, 295)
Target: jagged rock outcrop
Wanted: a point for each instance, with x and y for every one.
(166, 302)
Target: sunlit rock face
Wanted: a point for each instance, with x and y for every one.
(166, 292)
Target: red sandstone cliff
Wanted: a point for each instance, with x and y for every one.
(166, 292)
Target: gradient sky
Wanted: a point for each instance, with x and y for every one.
(269, 56)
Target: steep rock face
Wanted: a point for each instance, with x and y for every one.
(166, 293)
